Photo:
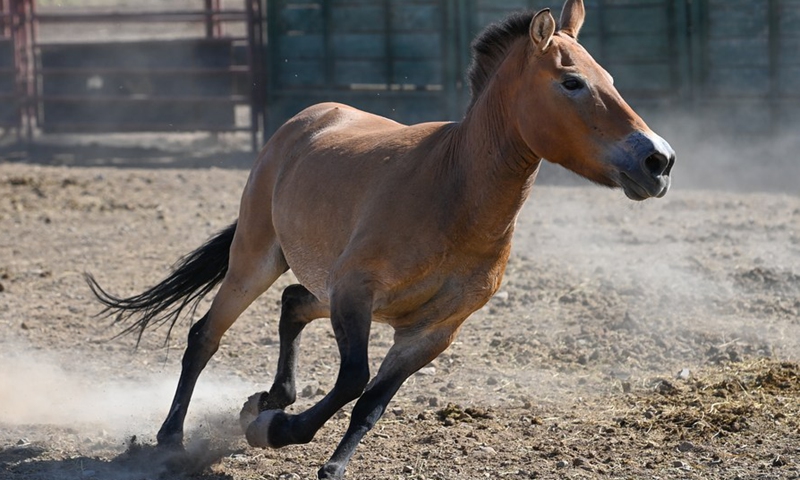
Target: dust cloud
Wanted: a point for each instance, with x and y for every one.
(37, 388)
(713, 155)
(712, 266)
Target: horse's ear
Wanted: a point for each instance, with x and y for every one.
(543, 26)
(572, 16)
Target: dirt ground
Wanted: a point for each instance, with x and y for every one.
(629, 340)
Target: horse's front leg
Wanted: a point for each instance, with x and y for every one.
(410, 352)
(351, 316)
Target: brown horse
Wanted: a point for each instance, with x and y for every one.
(406, 225)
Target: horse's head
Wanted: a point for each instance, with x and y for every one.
(571, 114)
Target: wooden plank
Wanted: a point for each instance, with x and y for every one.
(417, 45)
(416, 17)
(300, 47)
(790, 17)
(635, 19)
(418, 72)
(639, 77)
(8, 84)
(6, 53)
(738, 81)
(348, 72)
(635, 3)
(183, 53)
(113, 117)
(631, 47)
(358, 18)
(738, 52)
(303, 17)
(507, 5)
(789, 81)
(296, 73)
(789, 51)
(135, 83)
(738, 18)
(359, 45)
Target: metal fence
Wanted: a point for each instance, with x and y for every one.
(91, 79)
(735, 61)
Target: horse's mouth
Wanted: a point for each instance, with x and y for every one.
(638, 192)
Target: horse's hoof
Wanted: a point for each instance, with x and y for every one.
(250, 410)
(257, 433)
(331, 472)
(170, 442)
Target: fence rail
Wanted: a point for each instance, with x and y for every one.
(736, 58)
(121, 85)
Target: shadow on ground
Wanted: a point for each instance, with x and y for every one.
(139, 461)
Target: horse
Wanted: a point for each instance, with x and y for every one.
(409, 225)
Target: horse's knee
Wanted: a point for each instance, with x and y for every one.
(352, 381)
(294, 294)
(281, 395)
(200, 347)
(299, 306)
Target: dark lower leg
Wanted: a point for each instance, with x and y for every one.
(286, 429)
(198, 351)
(298, 307)
(407, 355)
(351, 324)
(368, 410)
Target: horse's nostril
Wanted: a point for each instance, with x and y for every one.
(657, 164)
(669, 165)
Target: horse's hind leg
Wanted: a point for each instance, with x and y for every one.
(250, 273)
(298, 308)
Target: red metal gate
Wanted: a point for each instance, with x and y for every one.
(196, 81)
(15, 65)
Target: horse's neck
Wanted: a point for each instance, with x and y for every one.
(496, 168)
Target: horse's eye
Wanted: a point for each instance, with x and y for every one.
(572, 84)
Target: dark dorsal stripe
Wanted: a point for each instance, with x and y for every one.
(491, 46)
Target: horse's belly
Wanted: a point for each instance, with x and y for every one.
(311, 267)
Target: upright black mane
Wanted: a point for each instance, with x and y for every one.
(491, 46)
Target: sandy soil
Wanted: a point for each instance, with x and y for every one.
(650, 340)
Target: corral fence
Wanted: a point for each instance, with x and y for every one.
(171, 68)
(735, 63)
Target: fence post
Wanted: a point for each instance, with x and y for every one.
(774, 58)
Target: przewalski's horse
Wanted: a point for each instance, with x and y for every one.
(406, 225)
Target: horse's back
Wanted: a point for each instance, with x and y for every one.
(335, 149)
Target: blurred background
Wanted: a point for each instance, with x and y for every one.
(209, 80)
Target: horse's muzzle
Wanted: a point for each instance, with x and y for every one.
(645, 163)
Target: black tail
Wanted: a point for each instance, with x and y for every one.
(192, 277)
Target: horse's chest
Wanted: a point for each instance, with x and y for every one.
(443, 296)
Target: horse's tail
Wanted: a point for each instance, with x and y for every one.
(192, 277)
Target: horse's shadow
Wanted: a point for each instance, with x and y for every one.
(138, 462)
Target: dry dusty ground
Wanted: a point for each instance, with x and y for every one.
(650, 340)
